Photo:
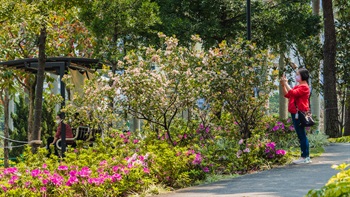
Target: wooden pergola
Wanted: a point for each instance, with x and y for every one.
(58, 66)
(55, 65)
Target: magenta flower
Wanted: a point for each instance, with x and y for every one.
(56, 179)
(115, 168)
(207, 130)
(141, 158)
(197, 160)
(73, 173)
(103, 163)
(275, 128)
(13, 179)
(146, 170)
(116, 177)
(27, 184)
(206, 169)
(43, 189)
(84, 172)
(10, 170)
(35, 172)
(240, 141)
(72, 180)
(45, 181)
(291, 127)
(271, 145)
(44, 165)
(136, 141)
(247, 150)
(62, 167)
(280, 152)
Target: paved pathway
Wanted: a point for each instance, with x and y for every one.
(288, 181)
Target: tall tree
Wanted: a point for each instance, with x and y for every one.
(343, 61)
(19, 38)
(331, 118)
(118, 24)
(7, 90)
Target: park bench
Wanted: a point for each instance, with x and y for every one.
(82, 133)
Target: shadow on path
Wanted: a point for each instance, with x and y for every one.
(288, 181)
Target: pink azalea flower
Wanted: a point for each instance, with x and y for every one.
(45, 181)
(247, 150)
(275, 128)
(240, 141)
(197, 160)
(27, 184)
(271, 145)
(185, 136)
(115, 168)
(43, 189)
(146, 170)
(35, 172)
(103, 163)
(141, 158)
(11, 170)
(62, 167)
(116, 177)
(280, 152)
(206, 169)
(291, 127)
(72, 180)
(84, 172)
(136, 141)
(44, 165)
(56, 179)
(13, 179)
(73, 173)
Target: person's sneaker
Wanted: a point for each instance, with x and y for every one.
(302, 160)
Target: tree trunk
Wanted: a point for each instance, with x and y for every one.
(331, 119)
(39, 89)
(347, 114)
(6, 101)
(31, 104)
(283, 104)
(315, 97)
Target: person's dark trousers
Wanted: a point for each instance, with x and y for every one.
(304, 142)
(48, 142)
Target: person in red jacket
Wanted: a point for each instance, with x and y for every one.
(52, 140)
(298, 99)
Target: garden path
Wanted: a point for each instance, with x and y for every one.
(287, 181)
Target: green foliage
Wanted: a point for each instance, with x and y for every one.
(118, 25)
(20, 125)
(338, 185)
(340, 139)
(274, 23)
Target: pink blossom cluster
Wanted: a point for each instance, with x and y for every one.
(271, 152)
(72, 175)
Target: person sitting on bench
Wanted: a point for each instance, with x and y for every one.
(69, 134)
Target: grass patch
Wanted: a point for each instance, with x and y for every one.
(344, 139)
(314, 152)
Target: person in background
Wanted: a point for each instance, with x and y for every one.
(298, 99)
(53, 140)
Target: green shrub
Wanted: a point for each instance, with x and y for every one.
(338, 185)
(340, 140)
